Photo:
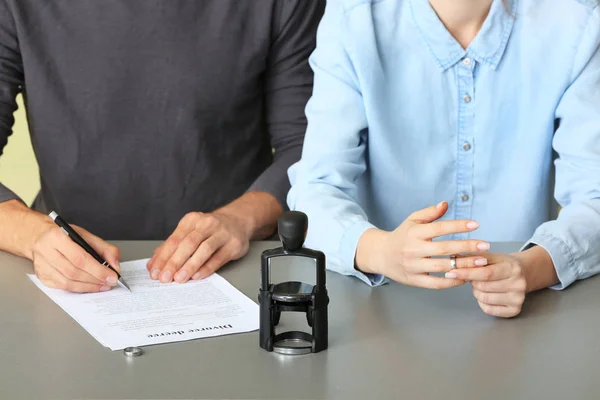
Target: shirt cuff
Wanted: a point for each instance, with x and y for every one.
(561, 257)
(347, 254)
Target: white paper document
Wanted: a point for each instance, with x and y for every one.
(154, 312)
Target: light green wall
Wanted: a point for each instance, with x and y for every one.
(18, 168)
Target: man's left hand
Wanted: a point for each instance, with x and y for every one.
(201, 244)
(499, 287)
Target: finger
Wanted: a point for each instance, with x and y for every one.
(60, 263)
(429, 214)
(112, 254)
(500, 311)
(433, 282)
(450, 247)
(493, 272)
(500, 286)
(219, 259)
(500, 299)
(442, 228)
(167, 249)
(443, 264)
(208, 249)
(80, 259)
(153, 258)
(192, 244)
(55, 279)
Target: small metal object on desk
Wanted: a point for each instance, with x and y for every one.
(133, 351)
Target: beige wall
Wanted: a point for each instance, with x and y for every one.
(18, 168)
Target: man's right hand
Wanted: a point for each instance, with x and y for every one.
(404, 255)
(61, 263)
(58, 261)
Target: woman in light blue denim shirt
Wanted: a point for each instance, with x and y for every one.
(463, 102)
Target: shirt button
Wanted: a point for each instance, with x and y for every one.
(464, 197)
(467, 61)
(466, 146)
(467, 99)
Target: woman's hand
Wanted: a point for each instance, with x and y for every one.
(404, 255)
(499, 287)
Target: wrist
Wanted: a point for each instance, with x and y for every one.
(538, 268)
(369, 249)
(21, 228)
(256, 214)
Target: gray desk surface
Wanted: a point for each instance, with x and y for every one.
(388, 342)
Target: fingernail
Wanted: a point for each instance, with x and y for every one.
(111, 280)
(166, 276)
(450, 275)
(472, 225)
(483, 246)
(105, 288)
(155, 273)
(441, 204)
(181, 276)
(196, 276)
(481, 262)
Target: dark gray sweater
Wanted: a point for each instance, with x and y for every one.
(143, 110)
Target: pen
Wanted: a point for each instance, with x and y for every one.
(79, 240)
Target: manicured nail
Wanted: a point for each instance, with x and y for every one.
(181, 276)
(483, 246)
(472, 225)
(450, 275)
(481, 262)
(155, 273)
(111, 280)
(166, 276)
(105, 288)
(196, 276)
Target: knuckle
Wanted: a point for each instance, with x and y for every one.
(519, 298)
(79, 258)
(70, 273)
(473, 246)
(238, 245)
(56, 234)
(191, 216)
(521, 286)
(70, 286)
(488, 274)
(208, 247)
(517, 269)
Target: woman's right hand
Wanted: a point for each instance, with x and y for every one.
(404, 255)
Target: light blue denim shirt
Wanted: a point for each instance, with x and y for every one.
(402, 117)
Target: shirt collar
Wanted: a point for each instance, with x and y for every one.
(488, 46)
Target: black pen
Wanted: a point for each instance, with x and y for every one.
(79, 240)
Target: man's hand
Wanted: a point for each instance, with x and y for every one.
(499, 287)
(61, 263)
(404, 255)
(57, 260)
(203, 243)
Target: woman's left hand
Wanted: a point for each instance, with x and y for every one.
(499, 287)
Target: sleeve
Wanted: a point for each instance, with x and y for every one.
(333, 158)
(288, 86)
(11, 82)
(573, 239)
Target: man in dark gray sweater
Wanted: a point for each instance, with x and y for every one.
(153, 119)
